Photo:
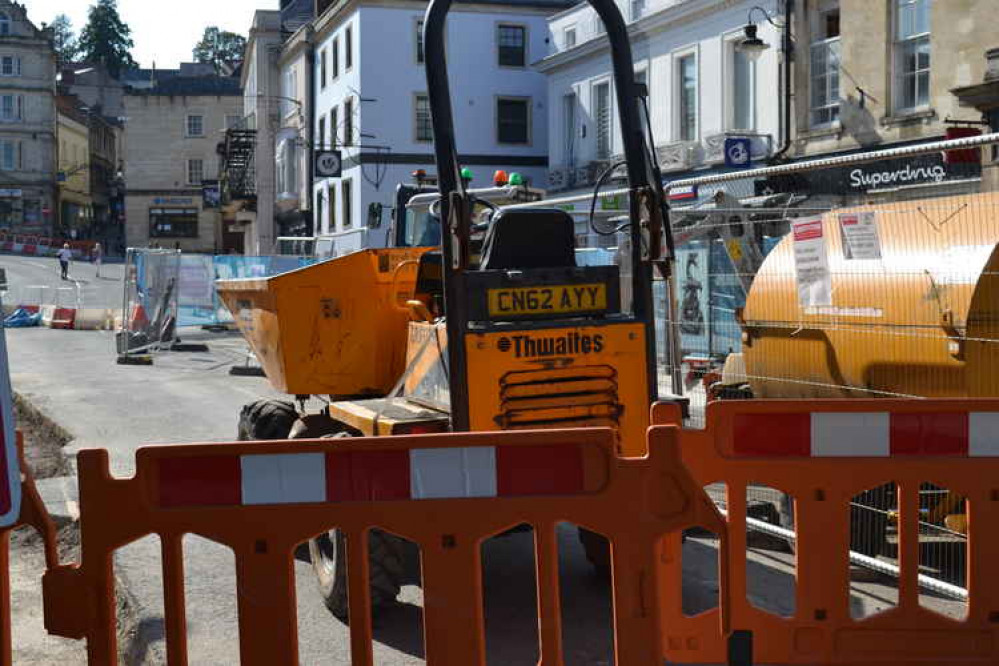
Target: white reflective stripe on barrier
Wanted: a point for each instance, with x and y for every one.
(452, 473)
(283, 478)
(851, 434)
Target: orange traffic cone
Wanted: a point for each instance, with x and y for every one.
(137, 319)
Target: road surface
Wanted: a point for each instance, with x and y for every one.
(32, 280)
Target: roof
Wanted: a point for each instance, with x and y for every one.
(194, 85)
(130, 75)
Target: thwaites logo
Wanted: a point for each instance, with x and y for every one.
(570, 344)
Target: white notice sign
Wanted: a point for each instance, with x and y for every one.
(860, 235)
(811, 263)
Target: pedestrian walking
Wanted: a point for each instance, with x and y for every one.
(98, 257)
(65, 255)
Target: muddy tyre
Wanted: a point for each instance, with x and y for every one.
(386, 565)
(266, 419)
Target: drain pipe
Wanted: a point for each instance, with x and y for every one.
(787, 49)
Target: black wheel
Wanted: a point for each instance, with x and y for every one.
(266, 419)
(386, 567)
(597, 550)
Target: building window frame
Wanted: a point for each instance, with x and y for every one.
(5, 24)
(423, 129)
(568, 30)
(11, 108)
(194, 126)
(322, 69)
(636, 9)
(528, 129)
(681, 130)
(347, 202)
(501, 48)
(15, 65)
(348, 122)
(192, 172)
(9, 148)
(419, 53)
(334, 59)
(911, 41)
(188, 217)
(331, 200)
(569, 112)
(826, 82)
(731, 77)
(321, 133)
(348, 48)
(334, 125)
(603, 130)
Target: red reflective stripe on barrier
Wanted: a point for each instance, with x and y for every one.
(772, 434)
(539, 470)
(930, 434)
(356, 476)
(199, 481)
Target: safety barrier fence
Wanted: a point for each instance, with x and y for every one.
(32, 514)
(447, 493)
(820, 455)
(43, 245)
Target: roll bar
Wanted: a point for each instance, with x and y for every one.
(647, 200)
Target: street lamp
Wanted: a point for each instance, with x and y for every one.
(752, 45)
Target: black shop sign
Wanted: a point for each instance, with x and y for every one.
(885, 174)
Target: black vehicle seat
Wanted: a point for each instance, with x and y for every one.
(530, 238)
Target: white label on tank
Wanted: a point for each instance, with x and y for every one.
(811, 263)
(860, 235)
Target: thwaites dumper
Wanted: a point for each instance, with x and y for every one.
(512, 335)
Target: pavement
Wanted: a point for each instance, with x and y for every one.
(72, 378)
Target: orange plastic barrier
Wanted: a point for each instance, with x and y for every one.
(33, 514)
(824, 453)
(446, 493)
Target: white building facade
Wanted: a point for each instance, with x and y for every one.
(703, 88)
(371, 104)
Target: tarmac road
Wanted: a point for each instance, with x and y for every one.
(34, 279)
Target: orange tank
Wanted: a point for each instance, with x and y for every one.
(335, 328)
(920, 321)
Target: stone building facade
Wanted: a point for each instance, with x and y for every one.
(27, 124)
(171, 155)
(874, 74)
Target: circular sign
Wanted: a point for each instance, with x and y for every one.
(328, 164)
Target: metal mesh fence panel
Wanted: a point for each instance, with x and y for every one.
(149, 307)
(870, 276)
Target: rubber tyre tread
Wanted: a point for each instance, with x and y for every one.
(266, 418)
(386, 569)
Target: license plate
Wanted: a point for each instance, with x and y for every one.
(547, 300)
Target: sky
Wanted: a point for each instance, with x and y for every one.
(164, 31)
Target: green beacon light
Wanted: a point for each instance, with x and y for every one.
(516, 179)
(467, 175)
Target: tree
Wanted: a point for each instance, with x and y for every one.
(106, 38)
(66, 45)
(219, 47)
